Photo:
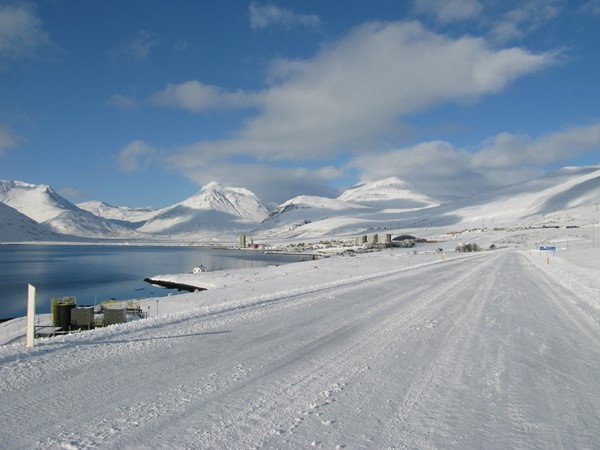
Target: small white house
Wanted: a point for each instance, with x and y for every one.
(199, 269)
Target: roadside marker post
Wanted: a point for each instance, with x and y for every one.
(548, 248)
(30, 330)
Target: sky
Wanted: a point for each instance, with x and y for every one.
(141, 103)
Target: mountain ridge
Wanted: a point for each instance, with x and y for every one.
(217, 212)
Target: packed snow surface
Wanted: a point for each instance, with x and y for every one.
(382, 350)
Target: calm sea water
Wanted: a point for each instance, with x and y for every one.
(94, 273)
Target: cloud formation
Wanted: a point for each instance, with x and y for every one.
(439, 168)
(447, 11)
(591, 7)
(274, 185)
(120, 101)
(196, 96)
(348, 99)
(353, 92)
(136, 155)
(22, 33)
(264, 16)
(69, 192)
(516, 23)
(7, 139)
(137, 47)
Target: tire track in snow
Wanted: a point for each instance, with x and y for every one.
(321, 384)
(462, 303)
(132, 419)
(430, 357)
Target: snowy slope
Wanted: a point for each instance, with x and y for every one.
(567, 190)
(214, 209)
(367, 206)
(293, 217)
(390, 193)
(134, 216)
(42, 204)
(219, 212)
(376, 351)
(386, 205)
(85, 224)
(16, 227)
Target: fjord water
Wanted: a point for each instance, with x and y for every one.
(94, 273)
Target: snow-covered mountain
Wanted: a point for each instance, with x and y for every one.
(386, 205)
(85, 224)
(309, 214)
(134, 216)
(390, 193)
(215, 209)
(217, 212)
(16, 227)
(567, 190)
(42, 204)
(38, 201)
(358, 209)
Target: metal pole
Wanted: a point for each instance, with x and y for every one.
(156, 308)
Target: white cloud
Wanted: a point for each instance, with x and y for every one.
(434, 167)
(122, 102)
(21, 32)
(346, 99)
(271, 184)
(437, 168)
(137, 47)
(72, 193)
(591, 7)
(355, 91)
(136, 155)
(263, 16)
(508, 150)
(196, 96)
(529, 16)
(447, 11)
(7, 139)
(440, 168)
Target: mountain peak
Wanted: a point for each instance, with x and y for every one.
(212, 186)
(214, 207)
(388, 189)
(38, 201)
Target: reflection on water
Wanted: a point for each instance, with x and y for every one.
(94, 273)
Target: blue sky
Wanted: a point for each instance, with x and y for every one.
(143, 102)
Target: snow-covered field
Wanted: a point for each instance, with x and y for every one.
(383, 350)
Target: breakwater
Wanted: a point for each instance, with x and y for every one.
(173, 285)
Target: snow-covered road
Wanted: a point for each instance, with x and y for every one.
(482, 352)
